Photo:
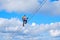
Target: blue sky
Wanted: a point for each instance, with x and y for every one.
(44, 25)
(43, 18)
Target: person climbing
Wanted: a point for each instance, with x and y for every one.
(24, 18)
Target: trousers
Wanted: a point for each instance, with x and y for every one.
(24, 22)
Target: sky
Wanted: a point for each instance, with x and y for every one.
(43, 19)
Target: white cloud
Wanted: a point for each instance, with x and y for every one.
(51, 8)
(10, 24)
(55, 32)
(33, 24)
(5, 36)
(20, 5)
(15, 25)
(56, 7)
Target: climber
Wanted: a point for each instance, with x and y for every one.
(24, 18)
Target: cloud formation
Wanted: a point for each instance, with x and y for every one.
(15, 25)
(55, 32)
(20, 5)
(51, 8)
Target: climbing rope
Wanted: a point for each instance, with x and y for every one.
(37, 10)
